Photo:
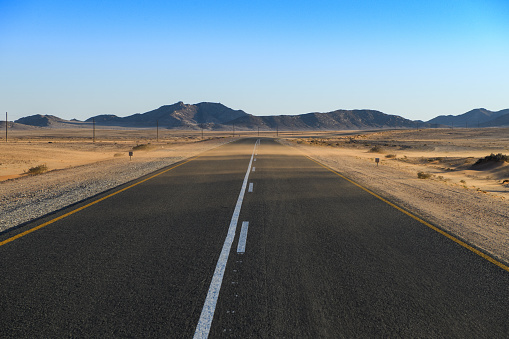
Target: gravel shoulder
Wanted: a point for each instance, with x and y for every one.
(479, 219)
(30, 197)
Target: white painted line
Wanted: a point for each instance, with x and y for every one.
(209, 307)
(241, 247)
(254, 169)
(255, 159)
(250, 187)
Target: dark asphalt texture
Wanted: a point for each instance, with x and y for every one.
(324, 259)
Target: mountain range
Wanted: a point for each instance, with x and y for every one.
(216, 116)
(479, 117)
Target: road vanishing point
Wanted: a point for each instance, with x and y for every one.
(248, 240)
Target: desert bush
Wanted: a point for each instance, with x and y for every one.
(376, 149)
(37, 170)
(423, 175)
(493, 158)
(390, 156)
(143, 147)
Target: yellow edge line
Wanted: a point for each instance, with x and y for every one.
(456, 240)
(17, 236)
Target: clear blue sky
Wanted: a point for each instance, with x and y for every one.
(416, 59)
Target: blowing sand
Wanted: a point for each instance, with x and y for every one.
(468, 201)
(79, 168)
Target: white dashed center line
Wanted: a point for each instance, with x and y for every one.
(209, 307)
(241, 247)
(250, 187)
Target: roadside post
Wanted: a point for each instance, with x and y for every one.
(130, 155)
(377, 160)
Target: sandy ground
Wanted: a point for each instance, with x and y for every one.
(79, 168)
(468, 201)
(446, 154)
(66, 148)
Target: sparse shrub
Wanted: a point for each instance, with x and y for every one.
(463, 182)
(493, 158)
(390, 156)
(143, 147)
(376, 149)
(37, 170)
(423, 175)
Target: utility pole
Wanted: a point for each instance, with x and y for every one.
(258, 131)
(6, 126)
(277, 130)
(201, 125)
(157, 130)
(234, 130)
(93, 129)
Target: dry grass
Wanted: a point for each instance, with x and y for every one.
(424, 175)
(376, 149)
(143, 147)
(493, 158)
(40, 169)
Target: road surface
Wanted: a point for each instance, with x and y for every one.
(251, 239)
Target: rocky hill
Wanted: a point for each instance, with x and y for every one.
(39, 120)
(14, 126)
(178, 115)
(340, 119)
(477, 117)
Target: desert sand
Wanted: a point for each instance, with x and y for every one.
(448, 155)
(66, 148)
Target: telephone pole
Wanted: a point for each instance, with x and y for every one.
(157, 130)
(6, 126)
(93, 129)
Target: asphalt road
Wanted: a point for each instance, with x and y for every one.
(323, 258)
